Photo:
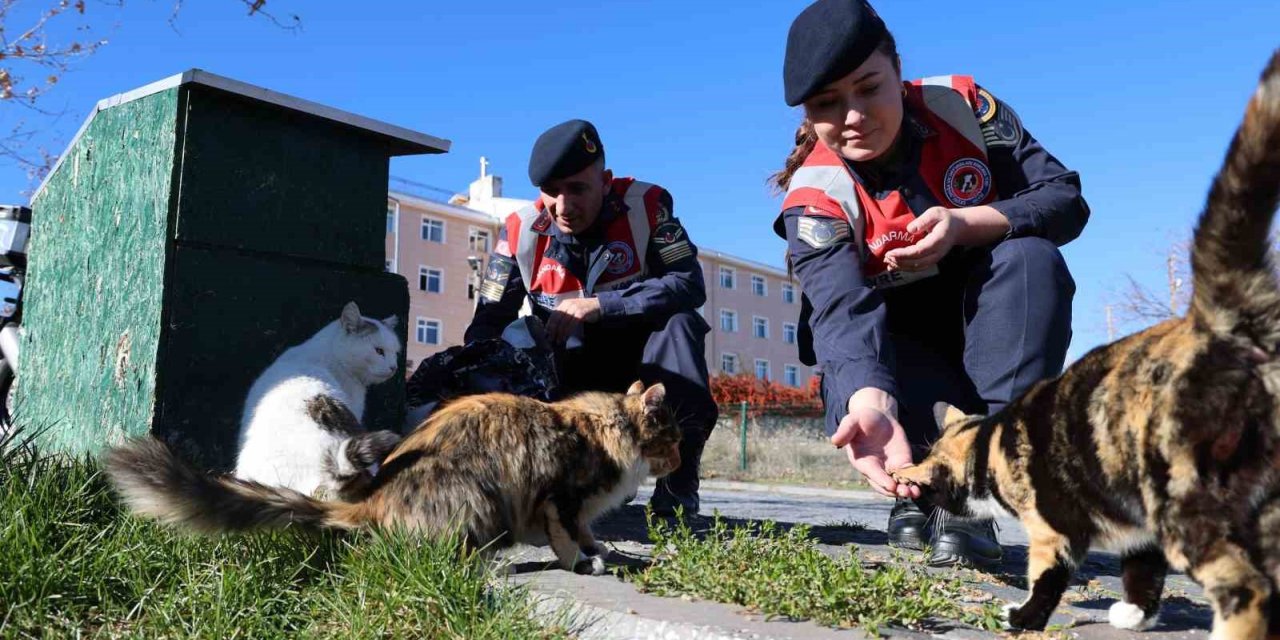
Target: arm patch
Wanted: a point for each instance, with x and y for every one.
(1000, 126)
(821, 233)
(496, 276)
(672, 242)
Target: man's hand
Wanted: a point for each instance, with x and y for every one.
(875, 442)
(568, 315)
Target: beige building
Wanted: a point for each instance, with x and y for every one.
(440, 244)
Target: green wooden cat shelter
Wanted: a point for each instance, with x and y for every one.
(192, 230)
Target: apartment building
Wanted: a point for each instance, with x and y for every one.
(440, 244)
(752, 309)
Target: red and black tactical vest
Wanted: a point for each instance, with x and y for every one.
(953, 163)
(626, 238)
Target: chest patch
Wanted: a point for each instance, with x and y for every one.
(621, 257)
(967, 182)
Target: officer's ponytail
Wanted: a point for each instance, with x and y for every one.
(805, 140)
(805, 136)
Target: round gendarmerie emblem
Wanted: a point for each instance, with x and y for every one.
(985, 110)
(621, 257)
(967, 182)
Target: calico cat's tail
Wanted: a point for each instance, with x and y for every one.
(154, 482)
(1235, 290)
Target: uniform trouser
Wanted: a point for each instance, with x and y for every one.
(616, 354)
(994, 322)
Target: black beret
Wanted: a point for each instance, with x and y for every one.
(828, 40)
(564, 150)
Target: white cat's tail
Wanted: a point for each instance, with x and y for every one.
(155, 483)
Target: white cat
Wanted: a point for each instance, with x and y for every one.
(301, 426)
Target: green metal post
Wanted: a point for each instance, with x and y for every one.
(743, 431)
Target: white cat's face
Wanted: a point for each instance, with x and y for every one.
(369, 348)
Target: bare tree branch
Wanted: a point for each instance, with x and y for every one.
(292, 22)
(1138, 306)
(34, 58)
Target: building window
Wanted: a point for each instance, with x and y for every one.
(728, 321)
(428, 331)
(432, 230)
(729, 363)
(788, 293)
(762, 369)
(391, 217)
(791, 375)
(478, 241)
(727, 278)
(789, 332)
(430, 280)
(760, 327)
(758, 286)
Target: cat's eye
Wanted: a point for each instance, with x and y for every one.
(380, 351)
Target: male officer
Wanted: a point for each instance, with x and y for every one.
(615, 278)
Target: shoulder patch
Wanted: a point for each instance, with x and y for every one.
(821, 233)
(985, 109)
(542, 223)
(663, 214)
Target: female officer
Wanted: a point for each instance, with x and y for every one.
(922, 221)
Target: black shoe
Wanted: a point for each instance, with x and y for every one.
(666, 498)
(966, 542)
(907, 528)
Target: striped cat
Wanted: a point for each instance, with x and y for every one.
(498, 468)
(1163, 446)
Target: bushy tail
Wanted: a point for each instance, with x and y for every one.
(156, 483)
(1235, 291)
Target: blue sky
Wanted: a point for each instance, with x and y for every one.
(1139, 97)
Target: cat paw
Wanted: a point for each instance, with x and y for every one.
(597, 550)
(1125, 615)
(1005, 613)
(1019, 616)
(593, 566)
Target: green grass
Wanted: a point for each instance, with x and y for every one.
(73, 564)
(785, 574)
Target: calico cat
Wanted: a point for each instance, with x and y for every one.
(301, 424)
(499, 468)
(1164, 445)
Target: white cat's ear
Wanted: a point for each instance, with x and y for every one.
(391, 321)
(636, 389)
(351, 319)
(653, 397)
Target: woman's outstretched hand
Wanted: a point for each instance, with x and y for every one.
(875, 442)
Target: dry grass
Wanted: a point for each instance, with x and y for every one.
(790, 451)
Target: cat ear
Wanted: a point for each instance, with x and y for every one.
(945, 414)
(636, 389)
(653, 397)
(351, 319)
(391, 321)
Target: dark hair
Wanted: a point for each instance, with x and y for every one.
(805, 136)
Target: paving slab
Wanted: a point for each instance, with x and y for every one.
(606, 607)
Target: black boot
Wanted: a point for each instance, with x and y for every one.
(680, 489)
(907, 525)
(966, 542)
